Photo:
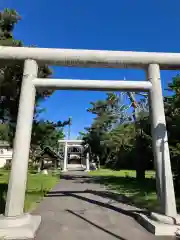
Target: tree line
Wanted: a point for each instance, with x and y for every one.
(122, 140)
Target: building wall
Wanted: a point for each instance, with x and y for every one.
(5, 154)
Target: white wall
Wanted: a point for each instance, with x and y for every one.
(5, 154)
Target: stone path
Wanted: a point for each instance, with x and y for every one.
(77, 209)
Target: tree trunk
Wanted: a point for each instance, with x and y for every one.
(42, 164)
(140, 171)
(140, 161)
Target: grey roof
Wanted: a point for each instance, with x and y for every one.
(50, 151)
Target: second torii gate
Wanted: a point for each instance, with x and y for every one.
(74, 143)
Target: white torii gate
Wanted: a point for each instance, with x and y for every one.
(72, 143)
(17, 225)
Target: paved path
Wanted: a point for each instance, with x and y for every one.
(77, 209)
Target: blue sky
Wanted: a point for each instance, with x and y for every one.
(151, 25)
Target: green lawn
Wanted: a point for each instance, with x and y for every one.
(37, 184)
(141, 194)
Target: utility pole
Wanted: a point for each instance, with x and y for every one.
(69, 128)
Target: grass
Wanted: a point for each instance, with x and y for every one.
(37, 185)
(121, 173)
(141, 194)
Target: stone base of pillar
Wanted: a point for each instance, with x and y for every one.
(86, 170)
(160, 225)
(21, 227)
(64, 170)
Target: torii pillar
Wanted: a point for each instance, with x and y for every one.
(65, 157)
(87, 162)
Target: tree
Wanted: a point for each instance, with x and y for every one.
(109, 113)
(11, 73)
(46, 133)
(172, 109)
(119, 144)
(4, 132)
(143, 145)
(116, 138)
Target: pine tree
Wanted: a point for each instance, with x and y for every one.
(11, 73)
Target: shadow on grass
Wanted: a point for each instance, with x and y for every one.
(141, 194)
(3, 193)
(32, 171)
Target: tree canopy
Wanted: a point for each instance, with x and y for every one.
(118, 138)
(11, 72)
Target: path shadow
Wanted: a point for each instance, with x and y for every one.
(75, 177)
(3, 192)
(74, 194)
(95, 225)
(112, 195)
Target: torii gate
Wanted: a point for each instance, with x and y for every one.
(17, 225)
(73, 143)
